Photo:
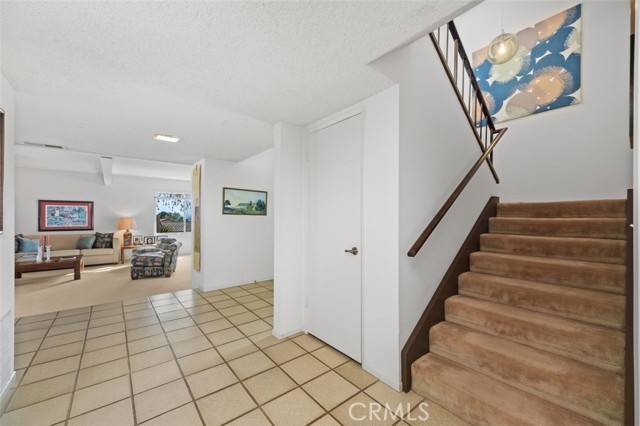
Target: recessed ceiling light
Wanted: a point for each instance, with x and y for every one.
(165, 138)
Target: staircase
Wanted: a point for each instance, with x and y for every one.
(536, 334)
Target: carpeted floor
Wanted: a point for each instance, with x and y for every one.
(52, 291)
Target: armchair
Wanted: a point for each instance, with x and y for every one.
(155, 261)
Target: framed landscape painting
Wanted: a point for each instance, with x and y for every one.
(244, 202)
(65, 215)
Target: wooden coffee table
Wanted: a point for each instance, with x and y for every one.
(65, 262)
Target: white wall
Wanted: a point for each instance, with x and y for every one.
(289, 230)
(576, 152)
(235, 249)
(437, 148)
(6, 241)
(126, 196)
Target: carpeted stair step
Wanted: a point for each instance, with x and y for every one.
(597, 346)
(585, 249)
(588, 275)
(481, 400)
(593, 307)
(592, 392)
(569, 227)
(563, 209)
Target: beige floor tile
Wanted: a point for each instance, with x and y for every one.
(187, 415)
(193, 302)
(58, 352)
(269, 385)
(184, 334)
(104, 342)
(225, 336)
(222, 305)
(38, 325)
(236, 349)
(135, 301)
(327, 420)
(246, 299)
(119, 413)
(101, 356)
(136, 307)
(41, 414)
(268, 320)
(30, 335)
(190, 346)
(206, 317)
(257, 304)
(41, 391)
(99, 322)
(201, 309)
(76, 311)
(161, 399)
(199, 361)
(150, 358)
(254, 418)
(353, 372)
(51, 369)
(330, 390)
(308, 342)
(225, 405)
(243, 318)
(105, 330)
(177, 324)
(173, 315)
(67, 328)
(161, 296)
(164, 302)
(357, 412)
(265, 312)
(99, 395)
(210, 380)
(63, 339)
(155, 376)
(143, 332)
(22, 361)
(250, 365)
(386, 395)
(254, 327)
(26, 347)
(283, 352)
(147, 344)
(237, 292)
(36, 318)
(265, 339)
(169, 308)
(330, 356)
(141, 322)
(215, 325)
(295, 408)
(428, 413)
(71, 319)
(233, 310)
(106, 312)
(304, 368)
(101, 373)
(142, 313)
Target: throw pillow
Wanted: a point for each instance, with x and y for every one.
(28, 246)
(103, 240)
(16, 243)
(85, 243)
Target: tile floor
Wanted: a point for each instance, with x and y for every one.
(190, 358)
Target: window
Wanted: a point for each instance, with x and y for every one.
(173, 212)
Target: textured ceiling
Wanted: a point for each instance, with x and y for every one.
(104, 76)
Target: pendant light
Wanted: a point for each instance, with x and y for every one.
(504, 47)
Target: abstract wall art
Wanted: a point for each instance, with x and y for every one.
(543, 75)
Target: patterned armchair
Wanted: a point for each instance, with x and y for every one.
(157, 261)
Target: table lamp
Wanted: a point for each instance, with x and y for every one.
(127, 223)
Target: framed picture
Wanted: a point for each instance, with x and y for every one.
(65, 215)
(137, 240)
(150, 240)
(244, 202)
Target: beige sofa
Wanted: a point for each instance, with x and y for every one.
(67, 245)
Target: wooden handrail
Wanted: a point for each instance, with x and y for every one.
(415, 248)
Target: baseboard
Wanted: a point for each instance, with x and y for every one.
(5, 394)
(392, 383)
(223, 286)
(282, 335)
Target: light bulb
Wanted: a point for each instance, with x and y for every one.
(503, 48)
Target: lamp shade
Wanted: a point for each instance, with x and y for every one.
(127, 223)
(503, 48)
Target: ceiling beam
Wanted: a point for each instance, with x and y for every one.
(107, 169)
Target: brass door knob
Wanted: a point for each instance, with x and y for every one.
(353, 251)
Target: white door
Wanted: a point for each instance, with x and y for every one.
(334, 293)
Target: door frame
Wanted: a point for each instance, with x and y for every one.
(308, 130)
